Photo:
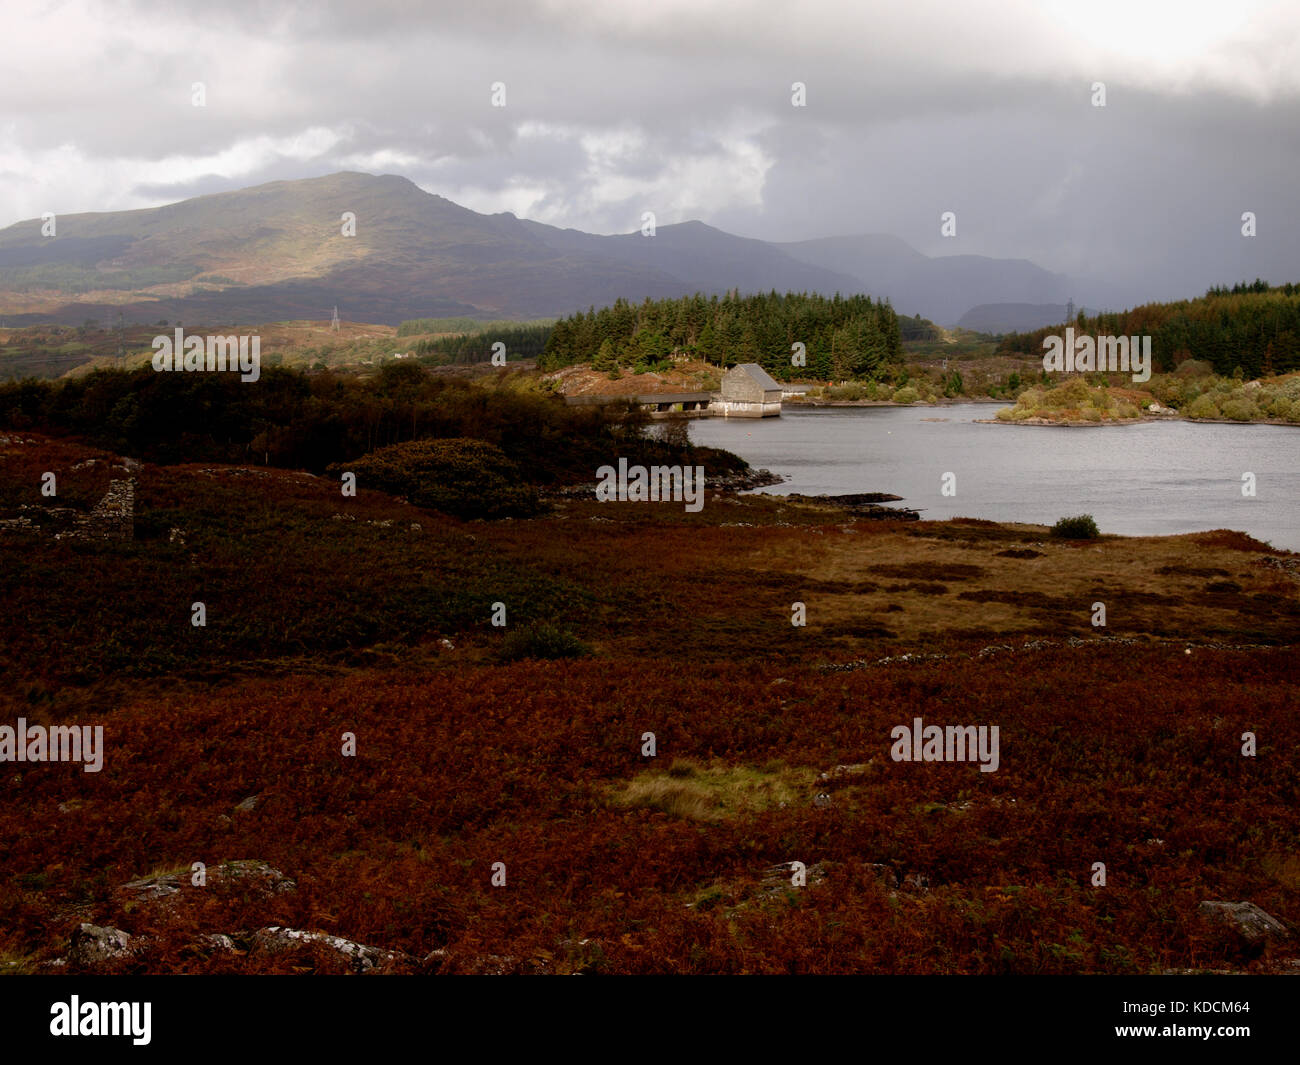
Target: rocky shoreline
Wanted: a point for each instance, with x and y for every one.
(861, 505)
(741, 481)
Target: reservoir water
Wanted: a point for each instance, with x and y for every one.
(1145, 479)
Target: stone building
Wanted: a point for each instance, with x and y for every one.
(748, 391)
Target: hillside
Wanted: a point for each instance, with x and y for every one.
(276, 252)
(1012, 317)
(1251, 330)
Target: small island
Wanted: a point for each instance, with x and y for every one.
(1193, 396)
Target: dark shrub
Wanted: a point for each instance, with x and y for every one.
(541, 640)
(462, 477)
(1077, 528)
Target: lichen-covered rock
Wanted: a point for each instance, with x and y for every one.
(251, 872)
(780, 877)
(94, 944)
(363, 959)
(154, 887)
(1252, 925)
(242, 874)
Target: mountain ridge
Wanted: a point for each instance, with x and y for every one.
(277, 251)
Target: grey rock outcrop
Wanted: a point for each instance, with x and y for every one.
(94, 945)
(276, 939)
(1248, 922)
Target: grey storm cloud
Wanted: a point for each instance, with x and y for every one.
(684, 108)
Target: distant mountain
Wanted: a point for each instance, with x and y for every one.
(701, 258)
(1012, 317)
(942, 288)
(873, 258)
(277, 252)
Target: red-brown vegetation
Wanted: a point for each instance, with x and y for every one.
(1124, 750)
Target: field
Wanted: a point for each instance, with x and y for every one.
(329, 615)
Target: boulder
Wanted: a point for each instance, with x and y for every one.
(847, 773)
(778, 878)
(154, 887)
(274, 939)
(1248, 922)
(94, 945)
(251, 873)
(917, 883)
(242, 874)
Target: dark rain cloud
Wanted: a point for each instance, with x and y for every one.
(684, 108)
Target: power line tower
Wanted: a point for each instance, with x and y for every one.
(1069, 311)
(334, 322)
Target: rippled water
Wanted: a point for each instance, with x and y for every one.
(1152, 478)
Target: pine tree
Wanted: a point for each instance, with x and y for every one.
(707, 348)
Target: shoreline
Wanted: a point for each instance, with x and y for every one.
(946, 402)
(1174, 417)
(1144, 420)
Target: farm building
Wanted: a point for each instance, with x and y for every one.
(747, 392)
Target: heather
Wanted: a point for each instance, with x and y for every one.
(523, 744)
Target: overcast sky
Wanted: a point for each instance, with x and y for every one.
(683, 107)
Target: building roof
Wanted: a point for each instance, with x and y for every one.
(761, 376)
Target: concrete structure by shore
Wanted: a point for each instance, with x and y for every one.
(748, 391)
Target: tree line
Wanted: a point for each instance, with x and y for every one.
(842, 337)
(520, 341)
(1253, 328)
(311, 421)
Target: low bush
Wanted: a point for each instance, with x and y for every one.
(1081, 527)
(852, 391)
(1240, 410)
(541, 640)
(459, 476)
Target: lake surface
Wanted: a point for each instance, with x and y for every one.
(1147, 479)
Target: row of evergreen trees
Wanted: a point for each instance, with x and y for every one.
(521, 342)
(1253, 327)
(842, 337)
